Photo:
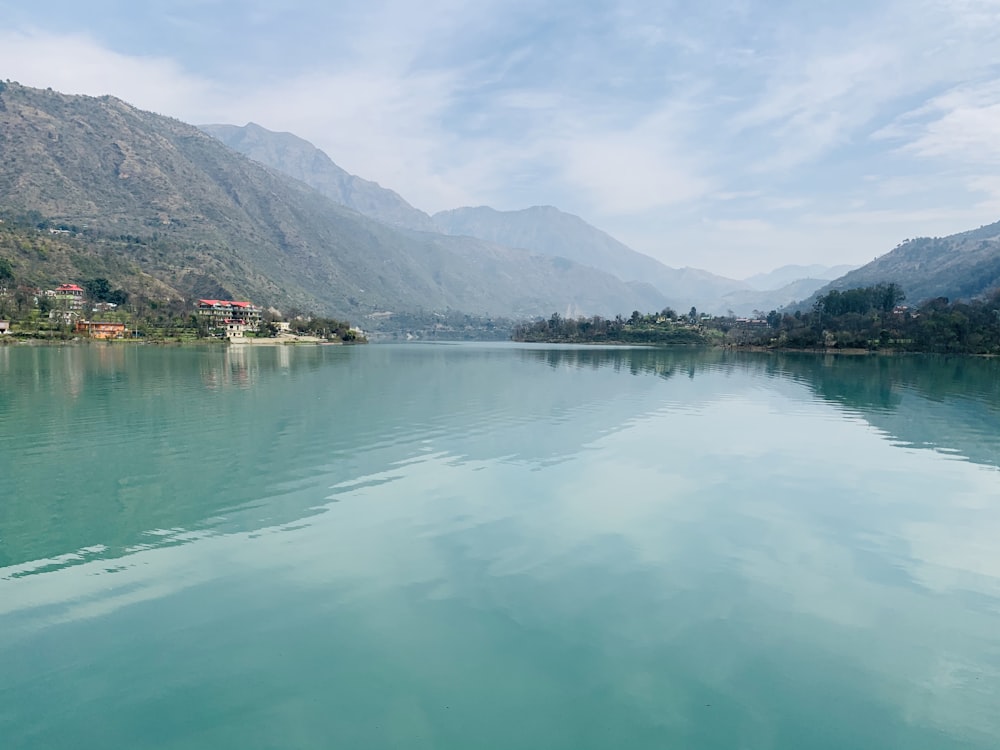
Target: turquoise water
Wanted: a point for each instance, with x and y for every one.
(493, 546)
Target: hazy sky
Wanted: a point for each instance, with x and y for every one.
(733, 136)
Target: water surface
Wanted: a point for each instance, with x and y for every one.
(497, 546)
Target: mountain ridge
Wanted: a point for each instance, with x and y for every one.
(300, 159)
(965, 265)
(205, 216)
(783, 276)
(549, 230)
(542, 229)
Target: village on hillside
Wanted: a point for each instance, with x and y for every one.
(96, 312)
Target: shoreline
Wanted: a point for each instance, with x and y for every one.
(15, 340)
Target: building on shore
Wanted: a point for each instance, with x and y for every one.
(228, 318)
(99, 330)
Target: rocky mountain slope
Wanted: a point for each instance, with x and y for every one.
(300, 159)
(202, 218)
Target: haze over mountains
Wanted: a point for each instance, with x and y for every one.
(792, 274)
(246, 212)
(543, 230)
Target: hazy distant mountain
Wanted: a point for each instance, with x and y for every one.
(746, 301)
(544, 229)
(781, 277)
(197, 217)
(298, 158)
(960, 266)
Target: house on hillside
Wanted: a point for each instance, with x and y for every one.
(4, 327)
(69, 296)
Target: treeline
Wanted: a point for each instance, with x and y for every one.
(449, 325)
(882, 298)
(665, 328)
(871, 318)
(874, 318)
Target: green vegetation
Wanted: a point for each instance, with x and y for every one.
(327, 328)
(33, 259)
(664, 328)
(869, 318)
(437, 326)
(99, 290)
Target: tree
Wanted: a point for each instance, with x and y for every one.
(200, 325)
(97, 289)
(888, 296)
(266, 329)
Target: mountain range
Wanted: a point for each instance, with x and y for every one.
(543, 230)
(224, 210)
(207, 220)
(788, 275)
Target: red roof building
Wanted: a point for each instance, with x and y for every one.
(70, 295)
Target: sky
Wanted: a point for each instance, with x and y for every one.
(731, 135)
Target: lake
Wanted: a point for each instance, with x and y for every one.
(497, 546)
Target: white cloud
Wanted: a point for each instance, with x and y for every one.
(375, 123)
(77, 64)
(961, 124)
(379, 123)
(742, 226)
(634, 169)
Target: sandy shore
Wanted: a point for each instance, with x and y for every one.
(282, 338)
